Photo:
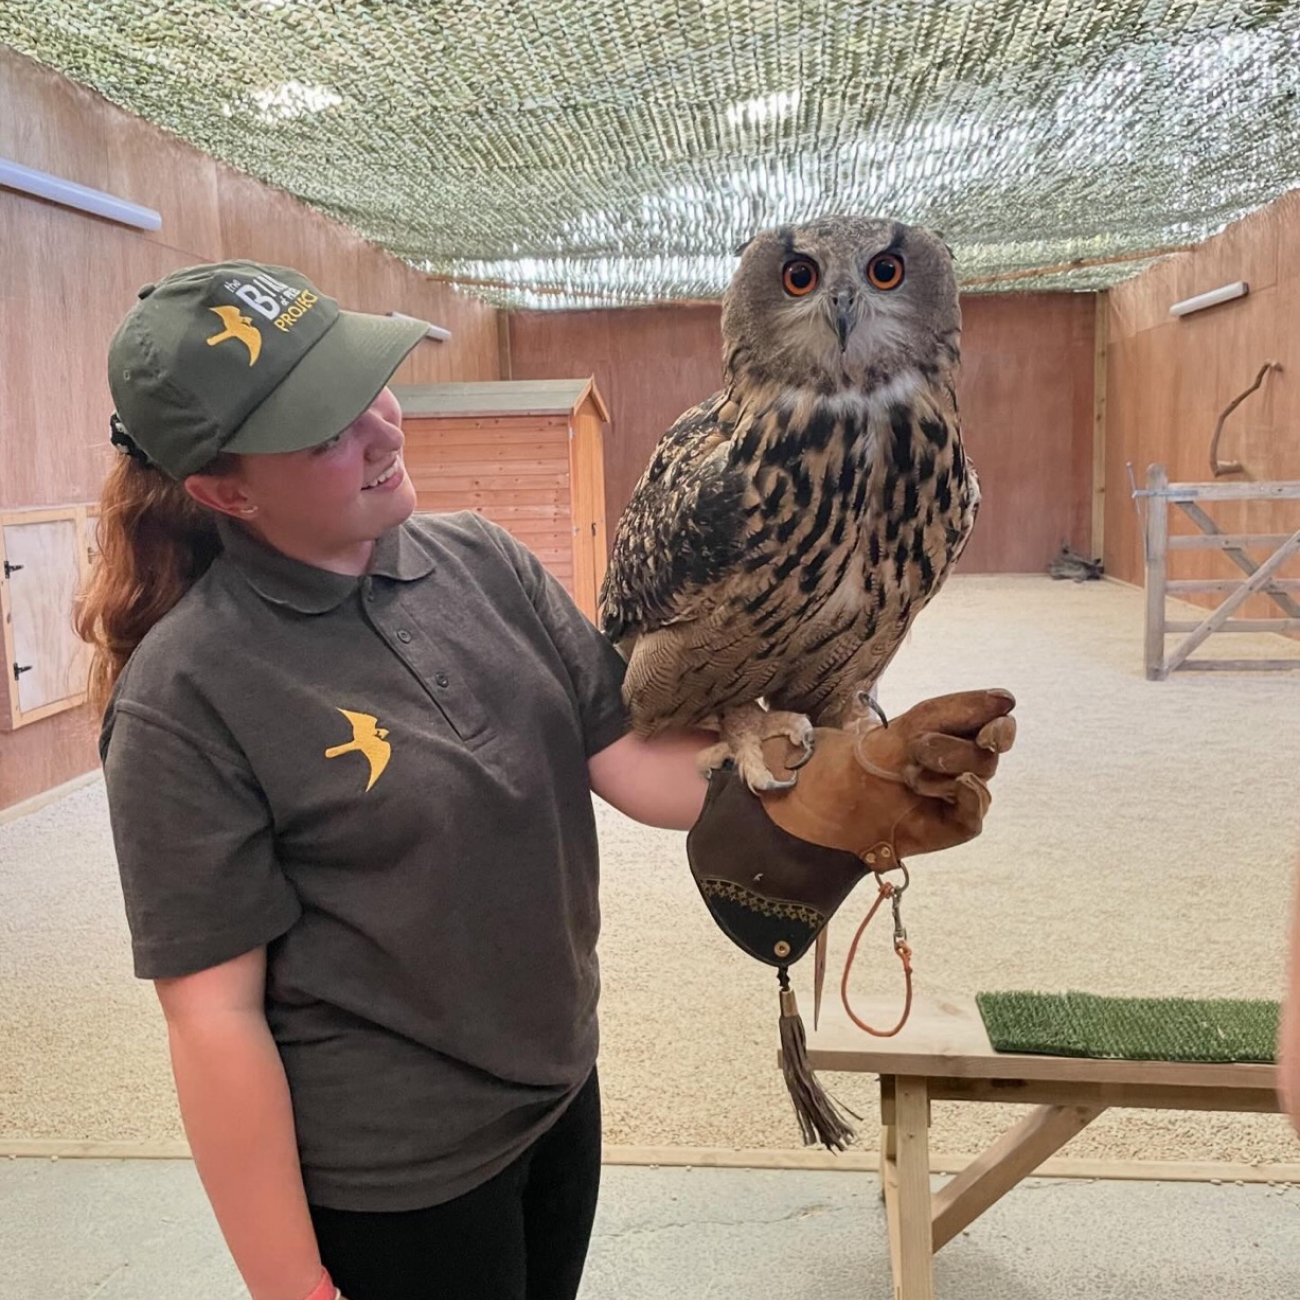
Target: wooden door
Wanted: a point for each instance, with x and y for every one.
(42, 563)
(587, 471)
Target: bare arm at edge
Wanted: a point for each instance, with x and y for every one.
(655, 781)
(234, 1102)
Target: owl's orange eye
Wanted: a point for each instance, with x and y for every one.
(800, 277)
(885, 270)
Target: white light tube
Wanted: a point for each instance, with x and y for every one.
(1211, 299)
(71, 195)
(433, 332)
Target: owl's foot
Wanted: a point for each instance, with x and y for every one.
(742, 733)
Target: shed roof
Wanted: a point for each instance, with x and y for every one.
(506, 397)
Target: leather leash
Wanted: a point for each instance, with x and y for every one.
(894, 893)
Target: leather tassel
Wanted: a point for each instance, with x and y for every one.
(819, 973)
(820, 1119)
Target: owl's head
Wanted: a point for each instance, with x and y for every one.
(842, 303)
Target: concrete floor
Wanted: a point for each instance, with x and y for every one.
(141, 1230)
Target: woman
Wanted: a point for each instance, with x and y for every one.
(349, 758)
(348, 767)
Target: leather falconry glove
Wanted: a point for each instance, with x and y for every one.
(773, 868)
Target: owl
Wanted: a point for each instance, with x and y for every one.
(789, 529)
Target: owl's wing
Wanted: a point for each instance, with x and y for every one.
(682, 531)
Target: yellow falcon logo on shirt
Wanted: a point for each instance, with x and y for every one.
(238, 326)
(368, 739)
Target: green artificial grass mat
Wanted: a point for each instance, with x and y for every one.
(1220, 1030)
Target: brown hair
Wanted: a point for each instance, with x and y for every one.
(155, 542)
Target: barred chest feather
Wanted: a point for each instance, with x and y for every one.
(857, 510)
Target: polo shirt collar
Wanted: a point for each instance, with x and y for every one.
(401, 554)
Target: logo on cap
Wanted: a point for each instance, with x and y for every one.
(277, 302)
(238, 326)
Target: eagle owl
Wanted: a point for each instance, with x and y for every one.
(789, 529)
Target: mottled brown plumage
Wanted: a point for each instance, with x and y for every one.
(789, 529)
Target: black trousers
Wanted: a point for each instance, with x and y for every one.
(522, 1235)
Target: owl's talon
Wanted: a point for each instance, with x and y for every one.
(865, 702)
(760, 779)
(742, 732)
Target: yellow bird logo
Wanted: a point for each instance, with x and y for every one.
(367, 739)
(238, 326)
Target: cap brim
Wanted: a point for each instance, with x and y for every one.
(333, 384)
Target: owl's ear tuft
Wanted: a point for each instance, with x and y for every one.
(943, 239)
(741, 248)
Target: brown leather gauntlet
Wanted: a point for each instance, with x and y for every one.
(774, 868)
(917, 785)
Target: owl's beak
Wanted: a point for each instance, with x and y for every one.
(846, 316)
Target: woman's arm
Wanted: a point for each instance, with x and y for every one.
(234, 1102)
(656, 780)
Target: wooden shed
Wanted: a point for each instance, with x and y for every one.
(527, 454)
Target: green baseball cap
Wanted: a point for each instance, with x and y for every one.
(243, 357)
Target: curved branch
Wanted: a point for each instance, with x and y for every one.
(1218, 467)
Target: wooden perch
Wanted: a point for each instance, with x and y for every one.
(1218, 467)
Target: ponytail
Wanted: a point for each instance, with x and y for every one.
(155, 542)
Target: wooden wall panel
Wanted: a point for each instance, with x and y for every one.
(1168, 379)
(46, 754)
(650, 364)
(67, 278)
(1026, 394)
(1025, 390)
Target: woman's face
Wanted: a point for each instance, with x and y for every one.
(326, 505)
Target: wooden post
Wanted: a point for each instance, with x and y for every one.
(888, 1133)
(1101, 338)
(1157, 557)
(915, 1276)
(505, 359)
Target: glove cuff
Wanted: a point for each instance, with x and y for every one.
(769, 891)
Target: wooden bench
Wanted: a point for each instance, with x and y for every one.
(943, 1054)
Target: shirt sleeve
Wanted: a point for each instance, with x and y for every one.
(195, 848)
(595, 668)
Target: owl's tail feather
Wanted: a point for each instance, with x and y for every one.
(820, 1118)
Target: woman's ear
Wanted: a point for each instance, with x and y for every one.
(224, 493)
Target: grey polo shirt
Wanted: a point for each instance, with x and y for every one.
(384, 780)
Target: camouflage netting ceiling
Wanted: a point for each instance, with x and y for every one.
(555, 153)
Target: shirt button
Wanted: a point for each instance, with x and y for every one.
(442, 679)
(403, 636)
